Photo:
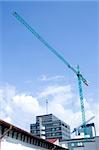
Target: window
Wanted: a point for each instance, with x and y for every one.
(53, 129)
(72, 144)
(79, 144)
(58, 128)
(53, 134)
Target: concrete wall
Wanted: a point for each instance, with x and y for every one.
(87, 146)
(79, 148)
(90, 145)
(97, 142)
(93, 145)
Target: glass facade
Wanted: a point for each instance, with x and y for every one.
(50, 127)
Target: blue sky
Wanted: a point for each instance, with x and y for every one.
(70, 27)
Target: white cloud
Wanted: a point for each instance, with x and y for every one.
(52, 78)
(8, 119)
(8, 109)
(54, 90)
(6, 93)
(20, 109)
(95, 109)
(27, 103)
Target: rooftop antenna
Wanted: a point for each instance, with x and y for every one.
(46, 106)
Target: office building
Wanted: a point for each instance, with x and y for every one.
(50, 127)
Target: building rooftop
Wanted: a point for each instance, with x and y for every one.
(52, 140)
(20, 134)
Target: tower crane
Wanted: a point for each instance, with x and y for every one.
(76, 71)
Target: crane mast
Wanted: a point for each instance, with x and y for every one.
(76, 71)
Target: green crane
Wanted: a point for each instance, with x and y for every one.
(76, 71)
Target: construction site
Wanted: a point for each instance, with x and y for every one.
(48, 130)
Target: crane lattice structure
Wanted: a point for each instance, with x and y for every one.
(76, 71)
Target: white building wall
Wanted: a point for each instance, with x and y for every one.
(97, 142)
(77, 148)
(87, 145)
(90, 145)
(13, 144)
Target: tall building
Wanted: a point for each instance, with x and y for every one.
(50, 127)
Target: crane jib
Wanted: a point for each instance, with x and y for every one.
(47, 45)
(42, 40)
(77, 72)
